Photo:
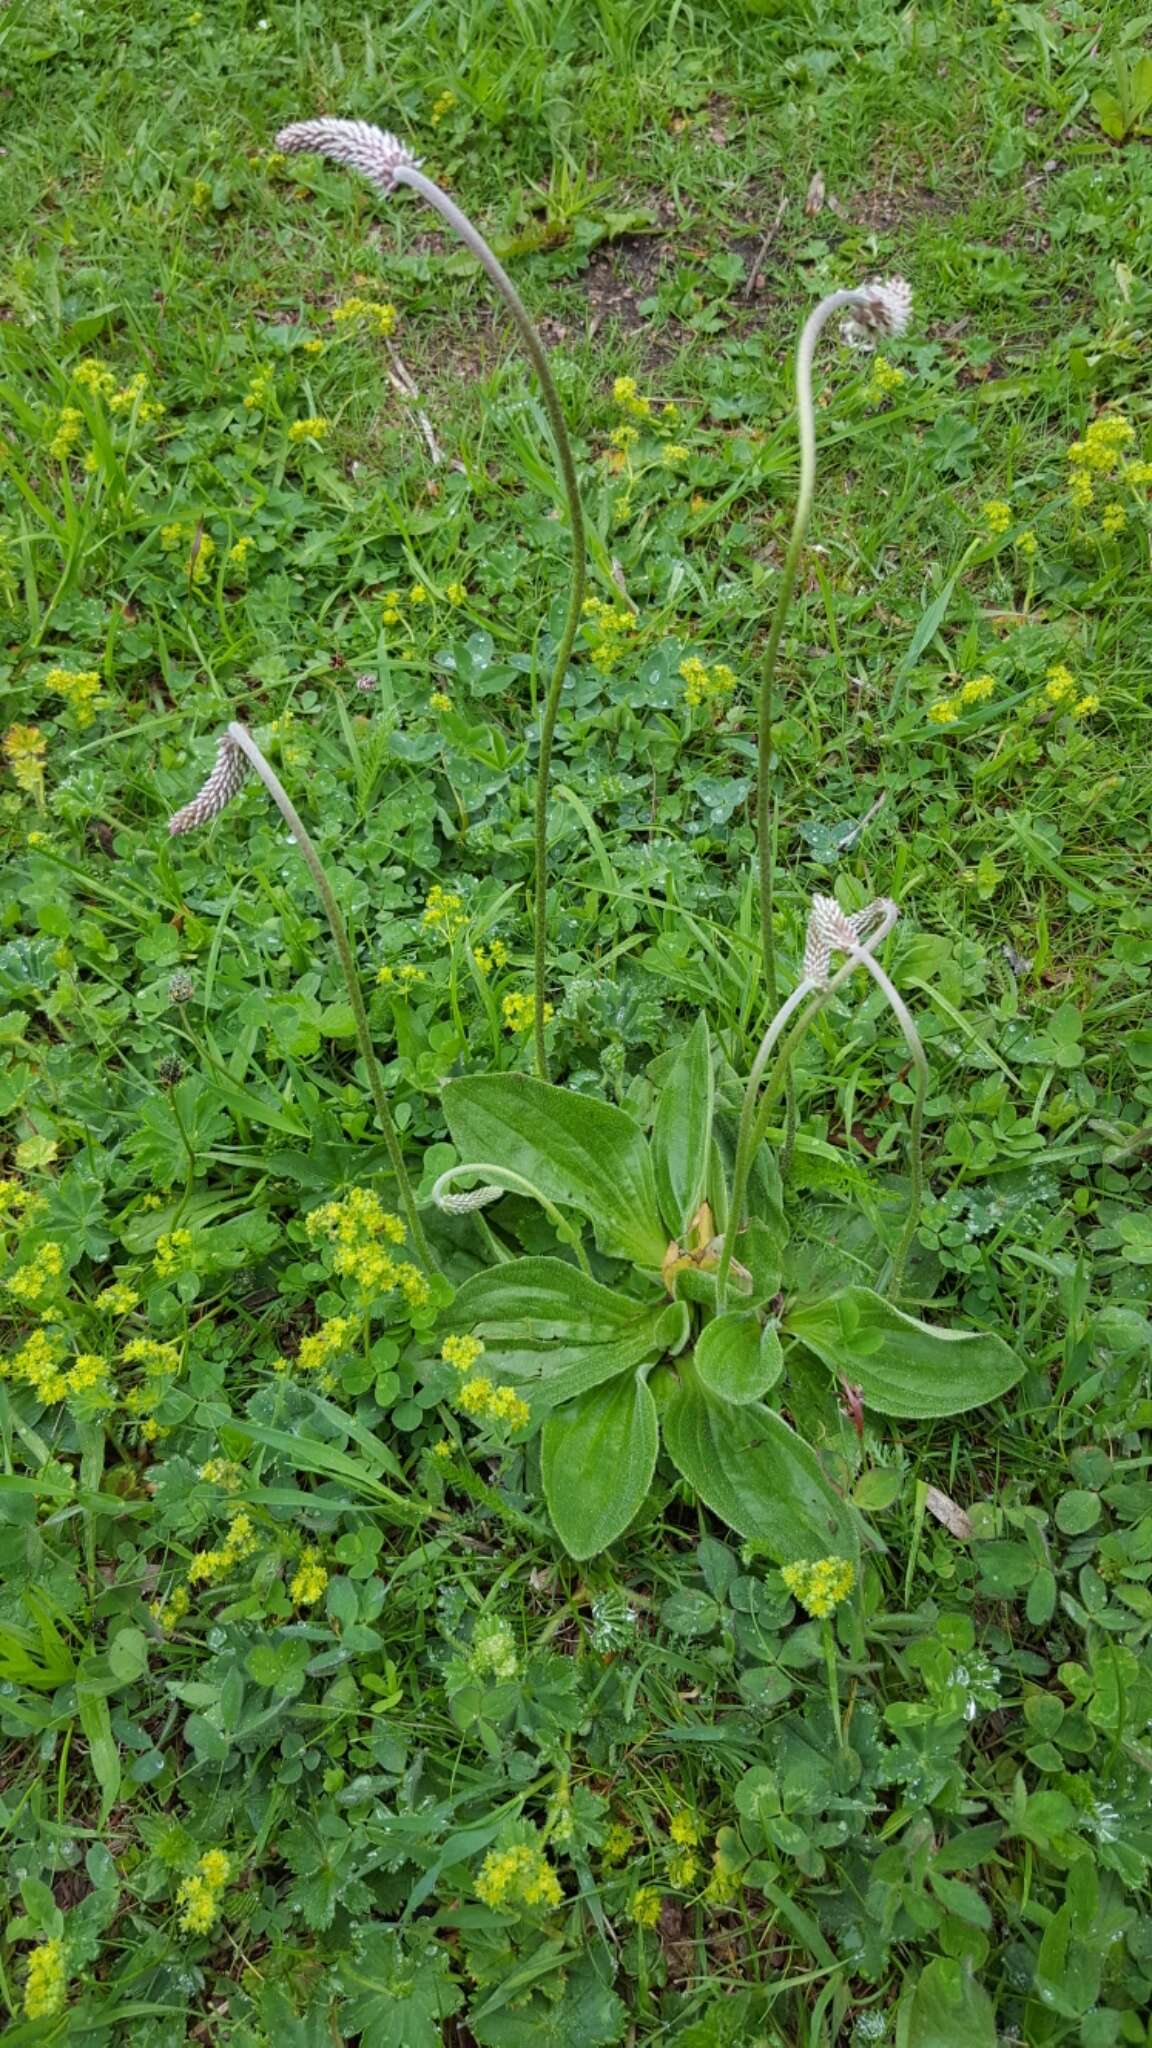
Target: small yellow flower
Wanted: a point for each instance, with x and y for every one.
(46, 1985)
(617, 1842)
(417, 594)
(439, 701)
(1085, 706)
(519, 1012)
(69, 427)
(216, 1868)
(884, 380)
(461, 1352)
(443, 912)
(645, 1907)
(119, 1299)
(492, 956)
(444, 1450)
(673, 453)
(625, 436)
(240, 550)
(506, 1406)
(79, 687)
(312, 429)
(456, 593)
(704, 685)
(1113, 519)
(945, 712)
(1061, 684)
(31, 1280)
(400, 977)
(1027, 542)
(821, 1586)
(521, 1876)
(309, 1579)
(24, 748)
(997, 515)
(201, 194)
(1138, 472)
(378, 316)
(682, 1869)
(442, 106)
(684, 1829)
(172, 1248)
(975, 691)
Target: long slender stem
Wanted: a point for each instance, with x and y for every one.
(919, 1057)
(486, 257)
(242, 738)
(749, 1133)
(806, 427)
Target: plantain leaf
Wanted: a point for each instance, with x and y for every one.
(580, 1153)
(598, 1455)
(904, 1367)
(757, 1475)
(557, 1333)
(682, 1131)
(738, 1358)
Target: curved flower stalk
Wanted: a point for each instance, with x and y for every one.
(830, 931)
(237, 753)
(385, 161)
(875, 310)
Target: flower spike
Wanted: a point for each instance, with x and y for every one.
(376, 154)
(227, 778)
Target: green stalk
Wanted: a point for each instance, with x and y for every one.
(242, 738)
(494, 269)
(919, 1058)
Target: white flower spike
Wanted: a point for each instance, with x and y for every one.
(372, 151)
(227, 778)
(881, 309)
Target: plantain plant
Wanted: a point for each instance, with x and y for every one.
(680, 1299)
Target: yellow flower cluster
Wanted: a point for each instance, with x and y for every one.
(820, 1587)
(373, 313)
(645, 1907)
(884, 380)
(461, 1352)
(38, 1365)
(417, 593)
(79, 687)
(519, 1012)
(313, 428)
(1061, 688)
(439, 701)
(308, 1580)
(617, 1842)
(611, 627)
(441, 106)
(673, 454)
(198, 1896)
(518, 1877)
(240, 550)
(443, 912)
(456, 593)
(494, 955)
(627, 396)
(684, 1829)
(46, 1985)
(24, 750)
(400, 977)
(12, 1197)
(354, 1227)
(134, 393)
(485, 1402)
(172, 1249)
(1113, 519)
(997, 515)
(119, 1299)
(69, 427)
(32, 1280)
(239, 1542)
(261, 389)
(975, 691)
(1097, 455)
(391, 614)
(222, 1472)
(682, 1868)
(706, 685)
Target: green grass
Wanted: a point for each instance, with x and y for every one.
(180, 1053)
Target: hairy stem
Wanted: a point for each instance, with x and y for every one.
(494, 269)
(806, 426)
(242, 738)
(919, 1058)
